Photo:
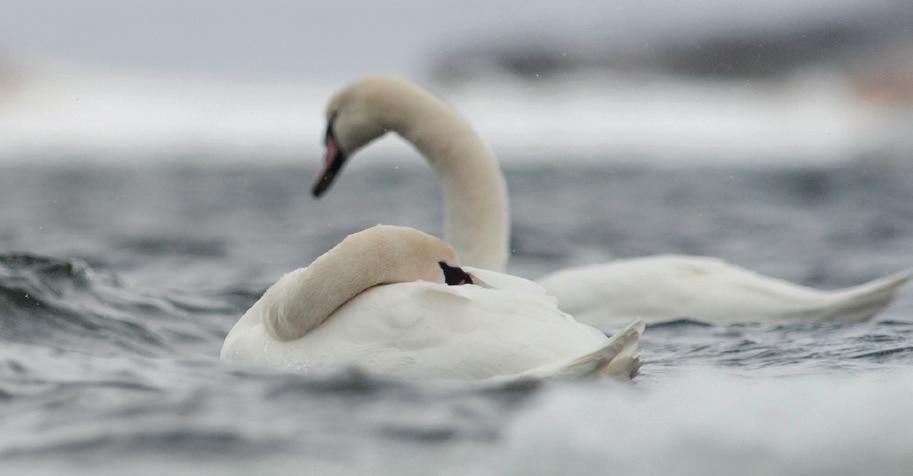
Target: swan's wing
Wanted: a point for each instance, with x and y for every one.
(428, 330)
(507, 282)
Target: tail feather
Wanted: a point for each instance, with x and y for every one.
(618, 358)
(861, 303)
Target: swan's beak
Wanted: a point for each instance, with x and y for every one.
(332, 164)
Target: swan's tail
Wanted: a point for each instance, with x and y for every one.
(861, 303)
(618, 358)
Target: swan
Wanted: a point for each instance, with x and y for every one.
(395, 301)
(476, 222)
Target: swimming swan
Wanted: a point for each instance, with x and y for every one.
(394, 301)
(476, 223)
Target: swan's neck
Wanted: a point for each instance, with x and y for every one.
(305, 298)
(476, 219)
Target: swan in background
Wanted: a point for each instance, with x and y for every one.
(394, 301)
(476, 223)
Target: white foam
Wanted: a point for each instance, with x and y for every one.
(709, 423)
(663, 120)
(129, 116)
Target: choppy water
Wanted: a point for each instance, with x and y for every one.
(117, 285)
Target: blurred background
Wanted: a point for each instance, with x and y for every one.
(666, 81)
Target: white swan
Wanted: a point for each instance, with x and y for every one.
(476, 222)
(387, 300)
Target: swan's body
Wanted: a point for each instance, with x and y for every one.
(505, 328)
(705, 289)
(476, 221)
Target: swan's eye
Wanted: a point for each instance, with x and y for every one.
(453, 275)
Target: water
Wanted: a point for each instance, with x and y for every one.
(118, 284)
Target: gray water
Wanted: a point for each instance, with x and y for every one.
(118, 284)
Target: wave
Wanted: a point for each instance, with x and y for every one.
(69, 304)
(702, 422)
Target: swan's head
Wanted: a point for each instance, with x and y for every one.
(356, 115)
(403, 254)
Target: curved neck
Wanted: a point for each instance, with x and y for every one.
(476, 219)
(306, 297)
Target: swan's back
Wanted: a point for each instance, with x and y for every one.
(428, 330)
(666, 287)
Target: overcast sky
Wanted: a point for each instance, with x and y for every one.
(341, 39)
